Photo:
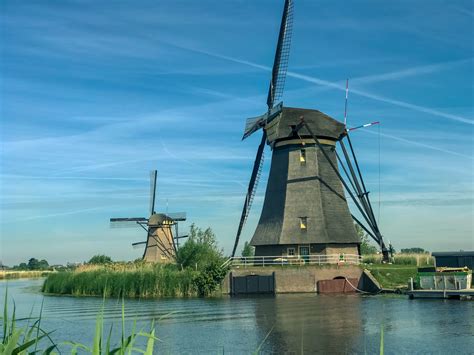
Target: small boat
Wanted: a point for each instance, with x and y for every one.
(442, 282)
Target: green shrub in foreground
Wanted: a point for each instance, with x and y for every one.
(209, 279)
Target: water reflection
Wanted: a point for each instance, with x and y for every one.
(295, 324)
(311, 323)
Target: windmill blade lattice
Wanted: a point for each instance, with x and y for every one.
(282, 56)
(127, 222)
(153, 175)
(275, 92)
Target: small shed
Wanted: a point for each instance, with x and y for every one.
(454, 259)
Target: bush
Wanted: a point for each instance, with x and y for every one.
(248, 250)
(209, 279)
(199, 250)
(414, 251)
(100, 260)
(365, 243)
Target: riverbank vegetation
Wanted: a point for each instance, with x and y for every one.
(391, 276)
(197, 272)
(401, 259)
(20, 274)
(26, 336)
(401, 267)
(31, 269)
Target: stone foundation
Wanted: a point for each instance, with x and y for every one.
(292, 279)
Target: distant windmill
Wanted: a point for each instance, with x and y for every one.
(160, 245)
(305, 210)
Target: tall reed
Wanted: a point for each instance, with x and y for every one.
(143, 281)
(30, 337)
(401, 259)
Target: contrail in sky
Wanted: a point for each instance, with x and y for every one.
(58, 214)
(423, 145)
(337, 86)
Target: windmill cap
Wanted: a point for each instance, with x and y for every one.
(158, 219)
(321, 124)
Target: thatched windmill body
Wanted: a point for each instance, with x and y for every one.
(161, 228)
(305, 210)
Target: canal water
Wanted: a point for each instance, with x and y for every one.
(293, 324)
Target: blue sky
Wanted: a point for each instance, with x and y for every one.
(96, 94)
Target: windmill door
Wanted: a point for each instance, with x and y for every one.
(304, 253)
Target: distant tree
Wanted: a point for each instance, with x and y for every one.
(100, 259)
(43, 265)
(22, 266)
(413, 251)
(248, 250)
(33, 264)
(366, 247)
(199, 250)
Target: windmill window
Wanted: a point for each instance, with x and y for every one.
(303, 222)
(303, 156)
(291, 251)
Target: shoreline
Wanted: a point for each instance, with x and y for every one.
(24, 274)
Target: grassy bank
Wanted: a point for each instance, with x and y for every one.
(392, 276)
(10, 274)
(127, 280)
(398, 272)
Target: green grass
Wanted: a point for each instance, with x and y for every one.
(29, 338)
(144, 281)
(392, 276)
(21, 339)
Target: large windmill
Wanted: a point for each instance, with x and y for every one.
(162, 242)
(305, 210)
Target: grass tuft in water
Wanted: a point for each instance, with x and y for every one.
(27, 339)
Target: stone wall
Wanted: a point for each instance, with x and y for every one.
(292, 279)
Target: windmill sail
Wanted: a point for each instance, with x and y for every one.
(275, 92)
(177, 216)
(253, 124)
(282, 55)
(153, 175)
(130, 222)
